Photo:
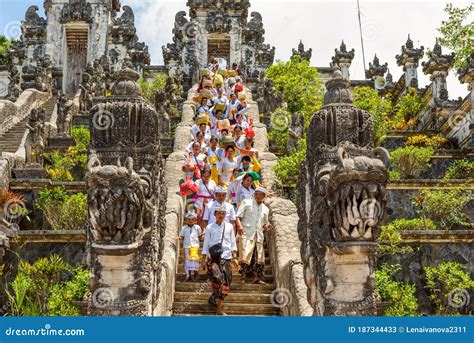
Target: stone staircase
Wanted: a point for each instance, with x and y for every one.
(10, 141)
(190, 298)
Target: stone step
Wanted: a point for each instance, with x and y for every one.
(236, 287)
(229, 309)
(267, 269)
(10, 140)
(235, 277)
(201, 297)
(182, 257)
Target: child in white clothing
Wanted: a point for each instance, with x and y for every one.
(190, 234)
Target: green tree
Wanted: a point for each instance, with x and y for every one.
(150, 87)
(300, 85)
(406, 109)
(380, 108)
(290, 166)
(4, 45)
(457, 33)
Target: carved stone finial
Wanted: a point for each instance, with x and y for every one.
(375, 69)
(437, 61)
(409, 54)
(409, 59)
(304, 55)
(342, 60)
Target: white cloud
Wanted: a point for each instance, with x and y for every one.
(321, 25)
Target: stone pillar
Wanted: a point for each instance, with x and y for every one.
(126, 201)
(438, 67)
(342, 60)
(409, 59)
(343, 199)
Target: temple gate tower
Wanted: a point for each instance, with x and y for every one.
(218, 29)
(74, 34)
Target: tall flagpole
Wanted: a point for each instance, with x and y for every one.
(361, 35)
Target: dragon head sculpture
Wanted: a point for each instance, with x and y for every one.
(119, 212)
(351, 195)
(343, 200)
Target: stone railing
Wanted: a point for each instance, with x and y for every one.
(283, 240)
(175, 207)
(13, 112)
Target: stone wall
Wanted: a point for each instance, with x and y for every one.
(431, 249)
(13, 112)
(174, 209)
(401, 196)
(283, 241)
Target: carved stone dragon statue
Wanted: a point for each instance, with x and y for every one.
(126, 202)
(343, 200)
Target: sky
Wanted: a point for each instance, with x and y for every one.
(322, 25)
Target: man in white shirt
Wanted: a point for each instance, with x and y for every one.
(220, 195)
(252, 222)
(220, 267)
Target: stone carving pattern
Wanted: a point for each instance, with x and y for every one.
(34, 143)
(343, 195)
(125, 196)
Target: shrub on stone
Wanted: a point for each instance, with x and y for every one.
(422, 140)
(449, 285)
(49, 286)
(64, 295)
(460, 170)
(394, 175)
(406, 110)
(61, 164)
(445, 207)
(63, 211)
(82, 136)
(411, 161)
(413, 224)
(400, 296)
